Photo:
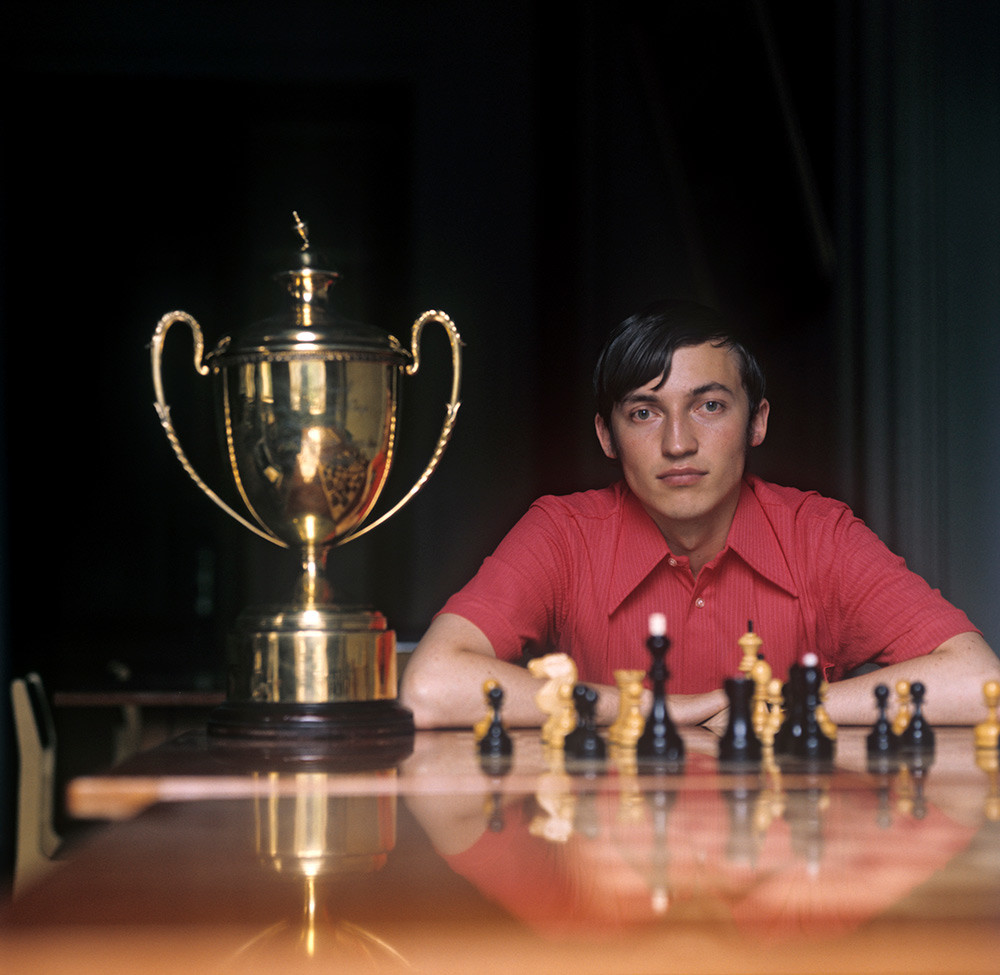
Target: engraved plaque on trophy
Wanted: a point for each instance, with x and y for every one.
(308, 402)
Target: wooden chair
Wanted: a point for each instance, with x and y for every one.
(37, 839)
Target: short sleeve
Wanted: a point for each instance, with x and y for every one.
(878, 610)
(517, 598)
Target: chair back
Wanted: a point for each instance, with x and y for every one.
(37, 839)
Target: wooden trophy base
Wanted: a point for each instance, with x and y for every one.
(355, 732)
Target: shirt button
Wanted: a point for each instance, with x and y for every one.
(699, 602)
(672, 560)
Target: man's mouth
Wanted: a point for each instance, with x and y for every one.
(681, 476)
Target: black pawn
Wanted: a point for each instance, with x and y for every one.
(496, 742)
(740, 742)
(659, 738)
(919, 735)
(882, 740)
(584, 741)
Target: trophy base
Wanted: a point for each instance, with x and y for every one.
(356, 723)
(320, 675)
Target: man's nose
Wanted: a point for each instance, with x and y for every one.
(679, 438)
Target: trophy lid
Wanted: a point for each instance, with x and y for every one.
(306, 325)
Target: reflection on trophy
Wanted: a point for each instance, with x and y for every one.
(308, 406)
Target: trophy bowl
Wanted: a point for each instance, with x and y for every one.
(308, 406)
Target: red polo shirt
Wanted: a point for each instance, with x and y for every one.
(582, 574)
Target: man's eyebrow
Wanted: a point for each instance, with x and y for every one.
(642, 396)
(638, 396)
(712, 388)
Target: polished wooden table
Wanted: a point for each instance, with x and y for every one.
(220, 862)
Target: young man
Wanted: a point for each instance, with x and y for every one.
(688, 533)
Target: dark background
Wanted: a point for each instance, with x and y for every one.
(824, 171)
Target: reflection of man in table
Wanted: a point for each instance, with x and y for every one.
(689, 533)
(821, 864)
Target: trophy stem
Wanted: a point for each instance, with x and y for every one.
(313, 588)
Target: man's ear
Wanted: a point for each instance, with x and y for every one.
(605, 436)
(758, 425)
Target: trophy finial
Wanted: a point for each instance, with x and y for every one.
(303, 230)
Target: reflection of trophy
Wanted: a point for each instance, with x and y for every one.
(308, 406)
(323, 842)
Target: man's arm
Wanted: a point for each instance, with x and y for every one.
(443, 683)
(953, 675)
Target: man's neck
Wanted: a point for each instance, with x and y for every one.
(699, 541)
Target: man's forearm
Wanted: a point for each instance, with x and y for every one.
(448, 692)
(953, 676)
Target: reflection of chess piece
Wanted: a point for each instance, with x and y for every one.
(555, 698)
(629, 724)
(805, 813)
(903, 707)
(750, 643)
(557, 802)
(660, 804)
(743, 837)
(771, 799)
(987, 733)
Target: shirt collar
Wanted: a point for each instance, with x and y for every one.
(753, 539)
(640, 546)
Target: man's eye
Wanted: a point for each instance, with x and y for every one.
(641, 414)
(713, 406)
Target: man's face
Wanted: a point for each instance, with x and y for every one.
(682, 446)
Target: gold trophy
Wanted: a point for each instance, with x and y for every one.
(308, 405)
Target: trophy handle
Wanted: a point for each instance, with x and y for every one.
(451, 411)
(163, 410)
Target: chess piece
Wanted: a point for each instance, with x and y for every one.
(824, 719)
(760, 674)
(802, 735)
(791, 724)
(659, 739)
(584, 741)
(988, 759)
(904, 707)
(987, 733)
(750, 643)
(775, 716)
(882, 741)
(740, 743)
(918, 735)
(480, 728)
(629, 724)
(555, 697)
(494, 742)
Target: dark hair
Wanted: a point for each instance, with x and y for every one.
(642, 348)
